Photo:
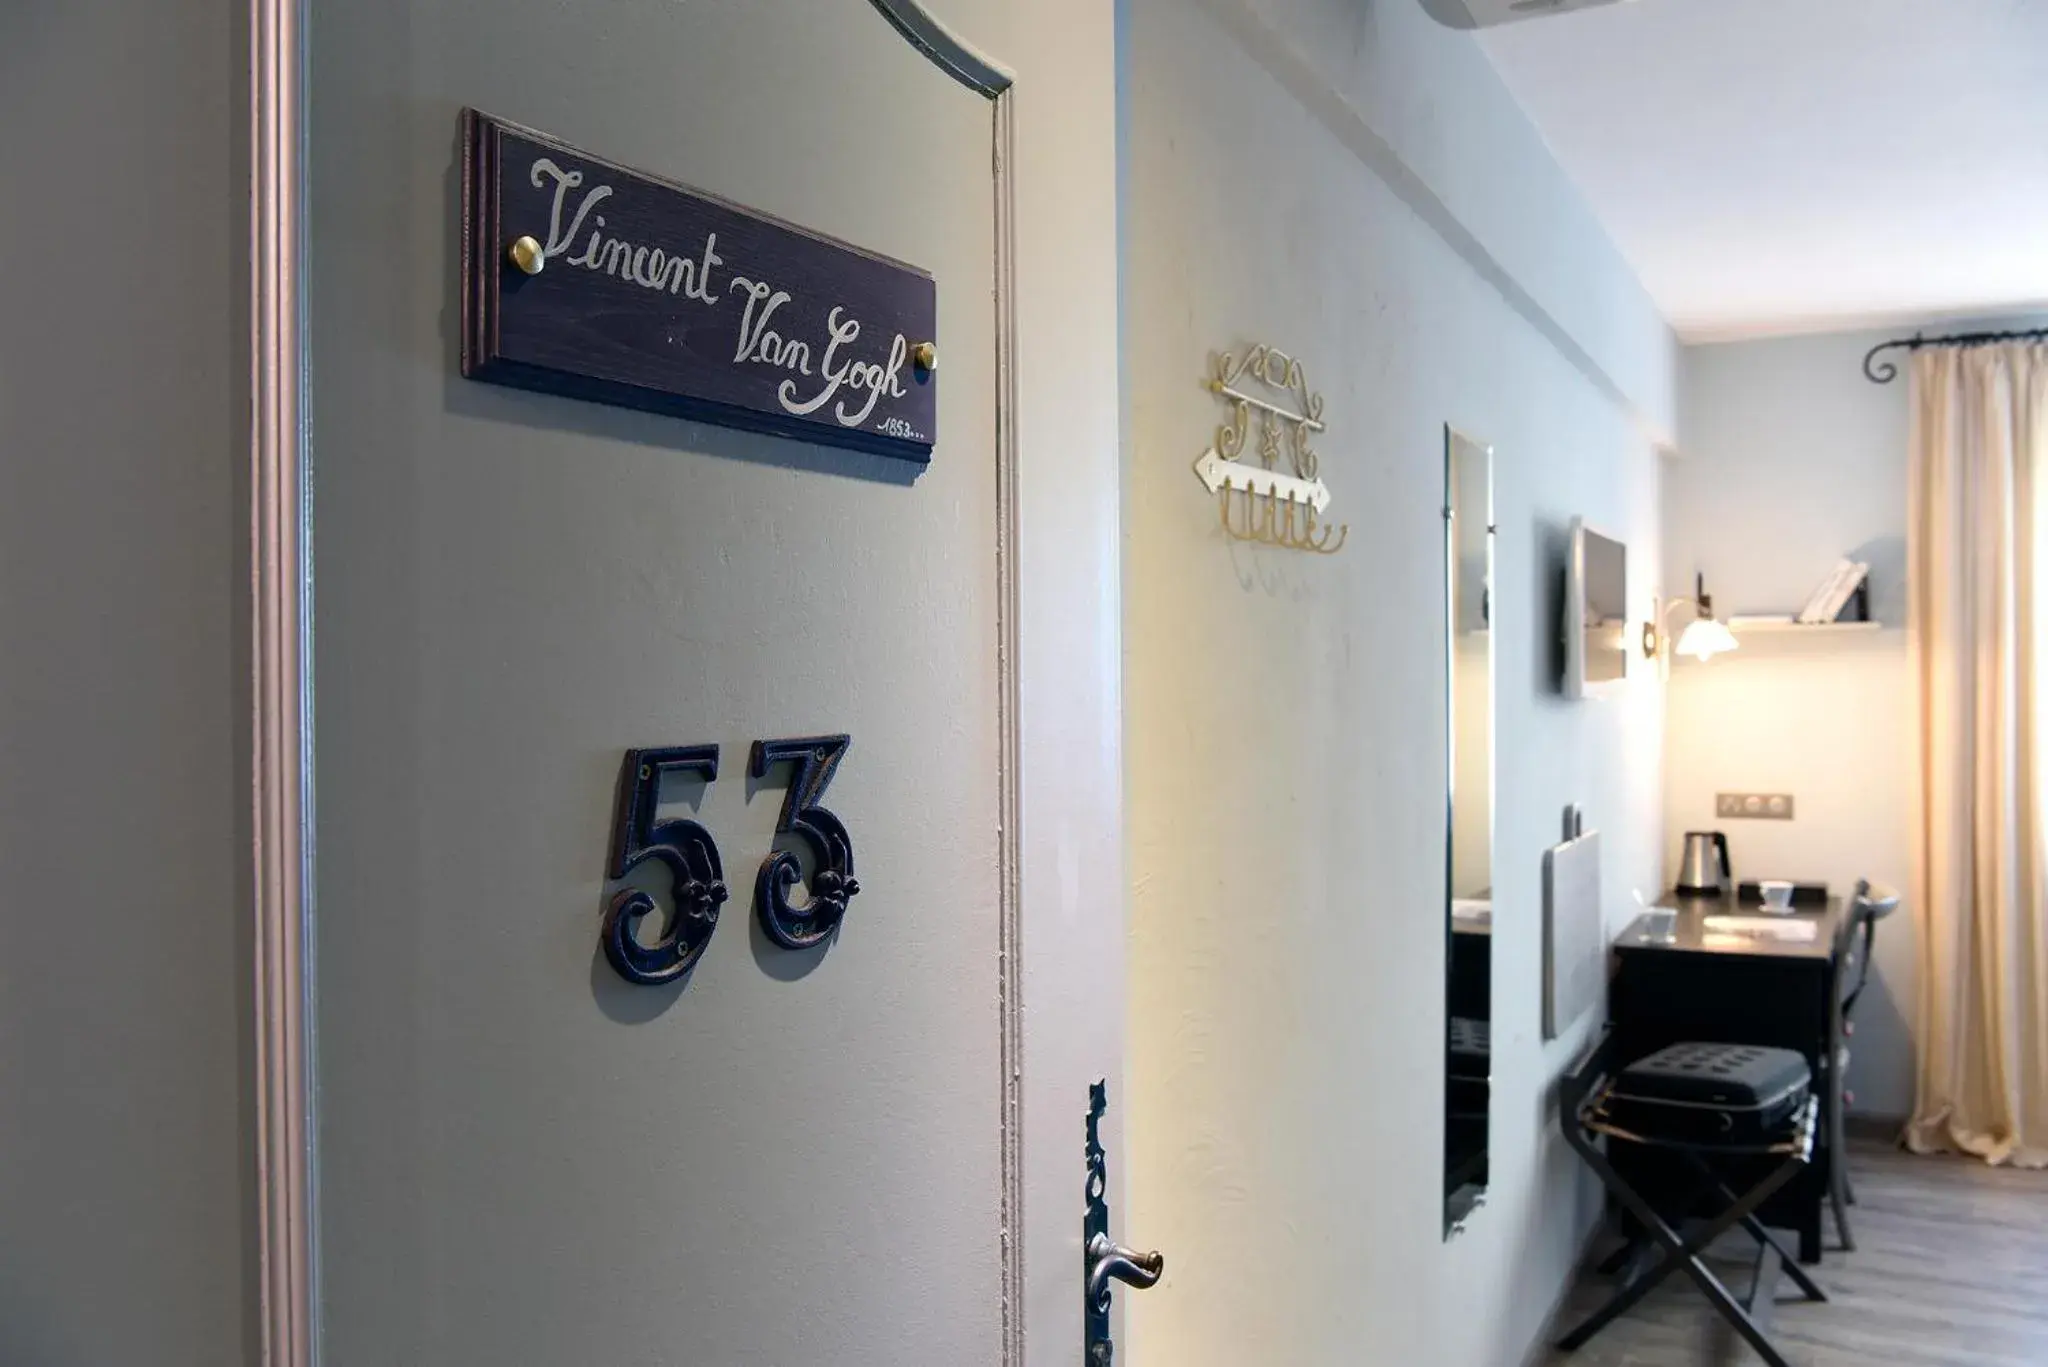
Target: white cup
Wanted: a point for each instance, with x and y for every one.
(1776, 893)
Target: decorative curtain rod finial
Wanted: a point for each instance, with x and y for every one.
(1884, 372)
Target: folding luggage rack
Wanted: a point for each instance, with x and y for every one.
(1656, 1249)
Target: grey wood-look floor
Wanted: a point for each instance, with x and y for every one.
(1951, 1270)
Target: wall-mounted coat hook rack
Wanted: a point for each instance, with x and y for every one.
(1277, 497)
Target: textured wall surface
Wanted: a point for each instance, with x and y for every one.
(122, 1154)
(1351, 183)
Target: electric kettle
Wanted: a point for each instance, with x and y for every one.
(1703, 870)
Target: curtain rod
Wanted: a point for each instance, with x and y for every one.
(1884, 372)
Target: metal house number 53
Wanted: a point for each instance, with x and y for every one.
(685, 848)
(832, 882)
(697, 877)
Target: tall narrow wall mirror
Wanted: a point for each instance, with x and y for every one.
(1468, 833)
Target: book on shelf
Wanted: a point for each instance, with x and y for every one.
(1817, 600)
(1846, 590)
(1826, 603)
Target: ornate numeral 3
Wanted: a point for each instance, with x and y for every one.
(832, 884)
(688, 852)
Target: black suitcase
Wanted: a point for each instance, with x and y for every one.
(1736, 1094)
(1469, 1080)
(1471, 1046)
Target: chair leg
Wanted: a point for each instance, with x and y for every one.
(1838, 1198)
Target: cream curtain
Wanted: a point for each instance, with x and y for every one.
(1978, 603)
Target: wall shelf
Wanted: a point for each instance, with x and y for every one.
(1816, 629)
(1773, 639)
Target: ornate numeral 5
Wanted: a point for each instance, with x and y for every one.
(832, 884)
(684, 847)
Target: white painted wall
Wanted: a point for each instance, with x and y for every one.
(1792, 460)
(1350, 182)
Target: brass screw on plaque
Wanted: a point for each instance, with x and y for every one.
(526, 254)
(926, 356)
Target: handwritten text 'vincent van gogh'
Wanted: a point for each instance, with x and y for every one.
(838, 374)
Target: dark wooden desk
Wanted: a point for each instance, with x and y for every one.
(1678, 982)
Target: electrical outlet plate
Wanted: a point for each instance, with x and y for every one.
(1754, 806)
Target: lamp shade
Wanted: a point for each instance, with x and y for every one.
(1704, 638)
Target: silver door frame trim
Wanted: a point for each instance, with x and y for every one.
(281, 679)
(1010, 744)
(281, 625)
(958, 59)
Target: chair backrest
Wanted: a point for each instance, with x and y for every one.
(1864, 911)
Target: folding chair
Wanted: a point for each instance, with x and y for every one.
(1867, 905)
(1589, 1113)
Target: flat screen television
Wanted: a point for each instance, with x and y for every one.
(1595, 614)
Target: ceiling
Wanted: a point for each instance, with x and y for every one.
(1804, 165)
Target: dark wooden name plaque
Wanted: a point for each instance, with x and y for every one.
(582, 277)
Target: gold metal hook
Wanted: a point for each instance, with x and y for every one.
(1269, 520)
(1330, 542)
(1288, 414)
(1223, 513)
(1249, 530)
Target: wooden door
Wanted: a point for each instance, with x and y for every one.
(790, 1157)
